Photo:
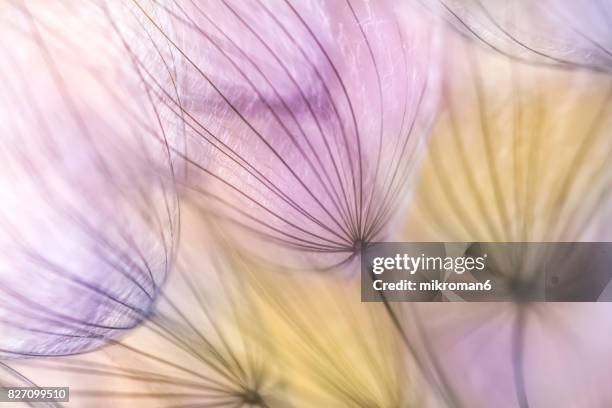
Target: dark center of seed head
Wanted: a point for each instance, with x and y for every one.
(359, 245)
(252, 397)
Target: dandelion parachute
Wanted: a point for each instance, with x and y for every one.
(520, 153)
(87, 205)
(300, 121)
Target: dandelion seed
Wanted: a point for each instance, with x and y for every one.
(518, 154)
(301, 120)
(87, 205)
